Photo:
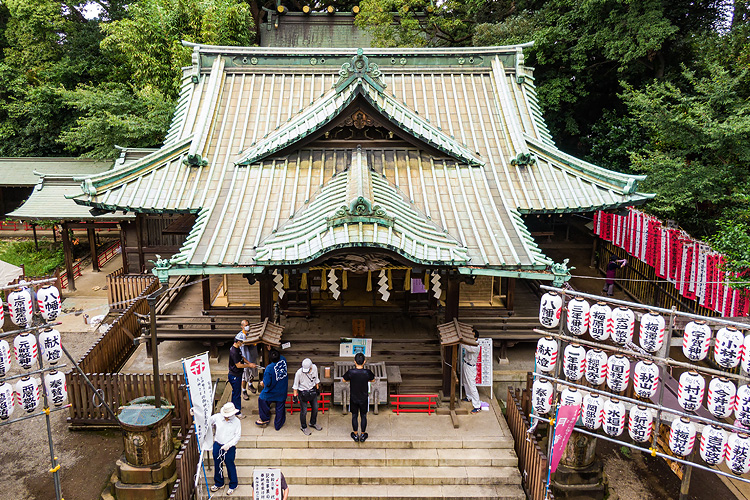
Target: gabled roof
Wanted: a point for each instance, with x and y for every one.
(25, 172)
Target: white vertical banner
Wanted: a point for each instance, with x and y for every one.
(200, 392)
(484, 363)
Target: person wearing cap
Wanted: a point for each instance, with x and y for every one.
(306, 387)
(359, 379)
(237, 364)
(250, 353)
(275, 386)
(226, 436)
(469, 372)
(609, 282)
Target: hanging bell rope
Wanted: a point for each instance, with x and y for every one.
(390, 280)
(323, 281)
(426, 280)
(407, 280)
(303, 282)
(286, 280)
(344, 280)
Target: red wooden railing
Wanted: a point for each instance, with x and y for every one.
(108, 253)
(414, 403)
(76, 273)
(324, 403)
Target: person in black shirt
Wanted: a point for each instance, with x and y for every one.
(237, 365)
(359, 379)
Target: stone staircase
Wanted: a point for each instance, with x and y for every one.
(413, 456)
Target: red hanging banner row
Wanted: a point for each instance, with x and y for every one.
(691, 265)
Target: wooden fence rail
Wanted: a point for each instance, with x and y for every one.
(125, 288)
(531, 460)
(118, 389)
(116, 344)
(187, 464)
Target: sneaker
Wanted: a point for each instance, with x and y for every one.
(317, 427)
(214, 488)
(305, 431)
(240, 416)
(253, 389)
(355, 437)
(230, 491)
(363, 437)
(465, 399)
(476, 410)
(245, 396)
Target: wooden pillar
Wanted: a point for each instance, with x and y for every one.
(139, 235)
(123, 254)
(36, 241)
(206, 289)
(92, 244)
(451, 352)
(510, 295)
(68, 251)
(266, 296)
(592, 262)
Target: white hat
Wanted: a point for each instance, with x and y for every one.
(228, 410)
(306, 365)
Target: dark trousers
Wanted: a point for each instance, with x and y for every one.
(361, 410)
(264, 409)
(236, 383)
(306, 397)
(228, 458)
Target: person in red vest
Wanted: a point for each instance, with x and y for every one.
(609, 282)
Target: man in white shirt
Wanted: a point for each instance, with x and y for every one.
(469, 372)
(306, 387)
(226, 436)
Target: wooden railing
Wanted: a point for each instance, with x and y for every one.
(109, 253)
(639, 281)
(115, 345)
(76, 274)
(414, 403)
(174, 290)
(118, 389)
(531, 460)
(187, 465)
(125, 288)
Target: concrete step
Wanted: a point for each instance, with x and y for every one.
(309, 475)
(393, 492)
(396, 457)
(373, 443)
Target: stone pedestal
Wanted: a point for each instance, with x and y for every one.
(580, 474)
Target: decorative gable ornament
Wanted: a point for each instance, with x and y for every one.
(523, 160)
(360, 67)
(360, 210)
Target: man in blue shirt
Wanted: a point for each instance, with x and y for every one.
(275, 386)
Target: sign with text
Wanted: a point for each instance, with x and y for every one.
(566, 420)
(484, 363)
(267, 484)
(198, 378)
(349, 347)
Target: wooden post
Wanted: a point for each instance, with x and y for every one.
(92, 245)
(452, 290)
(68, 251)
(451, 352)
(510, 295)
(206, 289)
(36, 242)
(123, 254)
(266, 296)
(139, 234)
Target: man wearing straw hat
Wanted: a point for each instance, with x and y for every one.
(469, 372)
(226, 436)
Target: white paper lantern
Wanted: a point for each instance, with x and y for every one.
(682, 437)
(574, 361)
(48, 299)
(728, 347)
(549, 310)
(623, 325)
(738, 453)
(596, 367)
(57, 389)
(5, 357)
(746, 354)
(578, 316)
(600, 322)
(20, 307)
(618, 372)
(546, 354)
(713, 444)
(25, 348)
(690, 390)
(696, 340)
(592, 412)
(651, 332)
(721, 397)
(614, 417)
(742, 405)
(570, 396)
(7, 400)
(27, 394)
(645, 379)
(640, 424)
(541, 394)
(49, 343)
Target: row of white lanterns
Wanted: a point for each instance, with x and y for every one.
(723, 396)
(610, 415)
(26, 393)
(21, 305)
(603, 322)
